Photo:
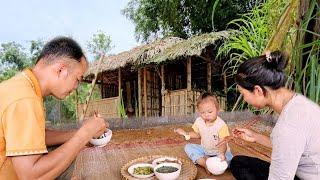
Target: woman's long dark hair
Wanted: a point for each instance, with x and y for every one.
(264, 71)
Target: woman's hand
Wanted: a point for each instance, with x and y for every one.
(245, 134)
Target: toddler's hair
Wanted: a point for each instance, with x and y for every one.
(206, 96)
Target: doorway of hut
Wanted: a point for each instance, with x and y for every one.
(150, 92)
(129, 90)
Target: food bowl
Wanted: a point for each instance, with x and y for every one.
(102, 140)
(141, 170)
(167, 171)
(216, 166)
(165, 159)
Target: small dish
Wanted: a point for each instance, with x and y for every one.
(141, 170)
(165, 159)
(102, 140)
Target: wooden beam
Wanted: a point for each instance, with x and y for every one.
(139, 92)
(128, 92)
(119, 81)
(163, 88)
(119, 89)
(209, 77)
(145, 91)
(77, 104)
(205, 59)
(189, 97)
(189, 74)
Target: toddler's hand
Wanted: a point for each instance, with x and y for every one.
(222, 157)
(180, 131)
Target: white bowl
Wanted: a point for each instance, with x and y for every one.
(132, 167)
(216, 166)
(167, 176)
(103, 139)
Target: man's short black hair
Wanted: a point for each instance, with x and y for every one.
(61, 47)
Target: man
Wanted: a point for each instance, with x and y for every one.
(23, 138)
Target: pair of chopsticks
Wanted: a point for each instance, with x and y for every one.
(247, 126)
(95, 112)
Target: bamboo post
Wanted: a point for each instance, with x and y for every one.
(119, 90)
(77, 104)
(103, 88)
(85, 107)
(139, 93)
(225, 84)
(163, 87)
(145, 91)
(225, 89)
(128, 90)
(209, 76)
(189, 102)
(237, 103)
(286, 21)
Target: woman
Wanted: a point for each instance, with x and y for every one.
(295, 139)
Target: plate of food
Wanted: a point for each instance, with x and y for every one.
(141, 170)
(165, 159)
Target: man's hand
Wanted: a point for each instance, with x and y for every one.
(95, 126)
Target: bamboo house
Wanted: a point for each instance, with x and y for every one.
(161, 78)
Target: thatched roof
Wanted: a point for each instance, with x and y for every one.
(159, 51)
(190, 47)
(142, 52)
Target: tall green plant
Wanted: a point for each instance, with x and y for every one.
(305, 57)
(121, 109)
(250, 40)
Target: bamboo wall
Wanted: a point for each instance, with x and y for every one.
(182, 102)
(108, 108)
(151, 102)
(179, 102)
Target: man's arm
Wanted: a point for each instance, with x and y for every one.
(51, 165)
(55, 137)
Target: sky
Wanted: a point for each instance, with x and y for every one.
(25, 20)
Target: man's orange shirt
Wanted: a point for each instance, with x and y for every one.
(22, 127)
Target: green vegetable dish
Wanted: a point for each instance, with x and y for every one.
(167, 169)
(143, 170)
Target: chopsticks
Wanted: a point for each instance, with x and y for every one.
(229, 138)
(95, 112)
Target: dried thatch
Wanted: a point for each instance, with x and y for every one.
(190, 47)
(159, 51)
(143, 52)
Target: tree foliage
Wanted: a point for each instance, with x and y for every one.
(99, 43)
(12, 59)
(182, 18)
(35, 49)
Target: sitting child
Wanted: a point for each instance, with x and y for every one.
(211, 129)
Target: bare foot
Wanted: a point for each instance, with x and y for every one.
(207, 171)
